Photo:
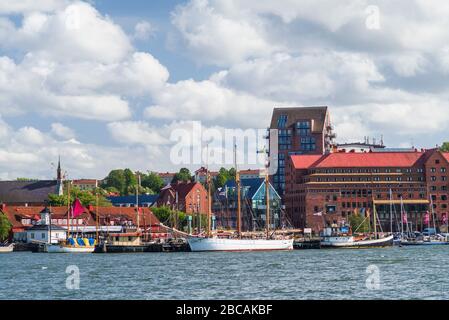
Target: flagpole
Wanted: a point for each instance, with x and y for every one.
(68, 209)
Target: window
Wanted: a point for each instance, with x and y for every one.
(32, 235)
(43, 236)
(282, 121)
(303, 128)
(308, 143)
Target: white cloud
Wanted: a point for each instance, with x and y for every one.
(75, 33)
(143, 31)
(23, 6)
(62, 131)
(319, 76)
(211, 103)
(216, 39)
(136, 132)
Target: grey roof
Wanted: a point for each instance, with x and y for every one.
(39, 227)
(26, 191)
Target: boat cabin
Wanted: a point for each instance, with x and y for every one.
(125, 239)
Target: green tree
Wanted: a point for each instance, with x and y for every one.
(232, 173)
(445, 147)
(359, 224)
(152, 181)
(116, 179)
(168, 216)
(222, 178)
(86, 198)
(130, 180)
(5, 227)
(183, 175)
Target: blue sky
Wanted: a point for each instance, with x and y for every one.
(105, 83)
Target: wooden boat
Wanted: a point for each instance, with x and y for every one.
(7, 249)
(72, 245)
(352, 242)
(199, 244)
(213, 243)
(332, 238)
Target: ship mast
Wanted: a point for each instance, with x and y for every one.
(267, 191)
(97, 219)
(68, 209)
(209, 200)
(237, 182)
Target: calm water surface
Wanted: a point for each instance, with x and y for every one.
(405, 273)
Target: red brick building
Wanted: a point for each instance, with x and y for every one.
(300, 131)
(188, 197)
(325, 189)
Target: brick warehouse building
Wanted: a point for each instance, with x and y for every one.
(301, 131)
(340, 184)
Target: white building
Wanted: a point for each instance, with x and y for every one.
(44, 232)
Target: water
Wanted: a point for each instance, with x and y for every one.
(404, 273)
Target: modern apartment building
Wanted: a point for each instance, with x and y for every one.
(301, 131)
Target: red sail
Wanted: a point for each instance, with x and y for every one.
(77, 209)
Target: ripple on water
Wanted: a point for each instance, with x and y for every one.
(405, 273)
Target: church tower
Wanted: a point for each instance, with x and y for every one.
(59, 180)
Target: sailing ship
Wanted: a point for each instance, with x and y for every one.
(72, 244)
(211, 242)
(343, 237)
(411, 239)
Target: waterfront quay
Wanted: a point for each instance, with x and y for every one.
(360, 187)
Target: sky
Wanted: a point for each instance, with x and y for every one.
(106, 83)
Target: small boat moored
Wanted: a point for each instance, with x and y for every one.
(6, 248)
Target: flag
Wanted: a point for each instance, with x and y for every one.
(427, 218)
(444, 218)
(404, 217)
(77, 208)
(368, 212)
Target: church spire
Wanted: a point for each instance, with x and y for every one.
(59, 172)
(59, 180)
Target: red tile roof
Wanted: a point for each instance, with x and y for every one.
(305, 161)
(15, 214)
(446, 155)
(85, 181)
(249, 171)
(360, 160)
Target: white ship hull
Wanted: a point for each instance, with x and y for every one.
(216, 244)
(56, 248)
(7, 249)
(349, 242)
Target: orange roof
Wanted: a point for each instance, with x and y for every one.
(249, 171)
(446, 155)
(166, 174)
(305, 161)
(15, 214)
(85, 181)
(358, 160)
